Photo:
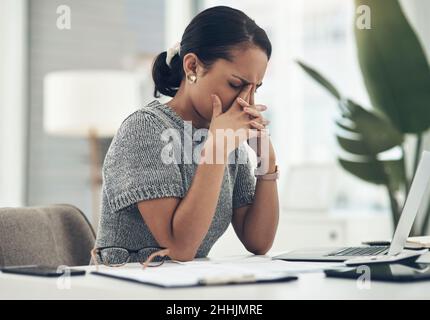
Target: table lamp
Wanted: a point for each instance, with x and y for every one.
(91, 104)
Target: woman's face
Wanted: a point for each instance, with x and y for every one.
(226, 79)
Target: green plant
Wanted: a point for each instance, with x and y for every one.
(397, 78)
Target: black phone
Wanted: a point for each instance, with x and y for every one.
(43, 271)
(395, 272)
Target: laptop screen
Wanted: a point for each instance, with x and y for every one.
(412, 204)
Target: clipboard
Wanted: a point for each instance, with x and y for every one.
(207, 281)
(195, 274)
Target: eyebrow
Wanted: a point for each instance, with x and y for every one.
(246, 81)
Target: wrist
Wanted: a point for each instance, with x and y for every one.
(267, 154)
(262, 174)
(272, 167)
(267, 163)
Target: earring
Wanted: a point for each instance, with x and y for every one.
(192, 78)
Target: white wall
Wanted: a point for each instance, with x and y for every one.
(13, 100)
(178, 16)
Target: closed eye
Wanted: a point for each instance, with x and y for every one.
(234, 86)
(241, 86)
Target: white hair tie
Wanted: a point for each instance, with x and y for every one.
(172, 51)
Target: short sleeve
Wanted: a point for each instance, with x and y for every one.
(133, 169)
(244, 185)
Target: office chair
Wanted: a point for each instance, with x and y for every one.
(52, 235)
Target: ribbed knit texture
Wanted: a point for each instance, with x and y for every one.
(134, 171)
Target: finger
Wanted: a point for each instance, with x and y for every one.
(252, 112)
(257, 115)
(248, 96)
(255, 124)
(259, 107)
(251, 96)
(216, 106)
(242, 96)
(242, 102)
(261, 120)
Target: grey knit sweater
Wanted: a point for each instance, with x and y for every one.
(134, 171)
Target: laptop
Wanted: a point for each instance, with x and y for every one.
(409, 212)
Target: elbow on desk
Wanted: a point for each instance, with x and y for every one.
(182, 258)
(259, 250)
(182, 255)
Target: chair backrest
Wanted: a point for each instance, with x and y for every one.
(52, 235)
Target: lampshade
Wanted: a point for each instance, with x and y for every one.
(78, 101)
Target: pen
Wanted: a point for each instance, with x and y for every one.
(227, 279)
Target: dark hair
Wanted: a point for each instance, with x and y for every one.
(210, 35)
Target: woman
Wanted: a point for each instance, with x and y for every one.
(186, 207)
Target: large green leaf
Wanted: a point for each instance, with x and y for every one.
(369, 170)
(373, 135)
(375, 171)
(395, 171)
(320, 79)
(346, 124)
(394, 67)
(364, 135)
(377, 133)
(354, 146)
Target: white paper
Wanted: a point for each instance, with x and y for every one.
(189, 273)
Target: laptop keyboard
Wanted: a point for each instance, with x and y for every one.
(360, 251)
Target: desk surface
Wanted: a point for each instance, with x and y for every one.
(309, 286)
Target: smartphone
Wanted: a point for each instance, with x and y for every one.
(395, 272)
(42, 271)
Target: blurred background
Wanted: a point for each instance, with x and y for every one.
(72, 70)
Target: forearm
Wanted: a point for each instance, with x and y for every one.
(262, 217)
(194, 214)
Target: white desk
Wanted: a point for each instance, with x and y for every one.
(309, 286)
